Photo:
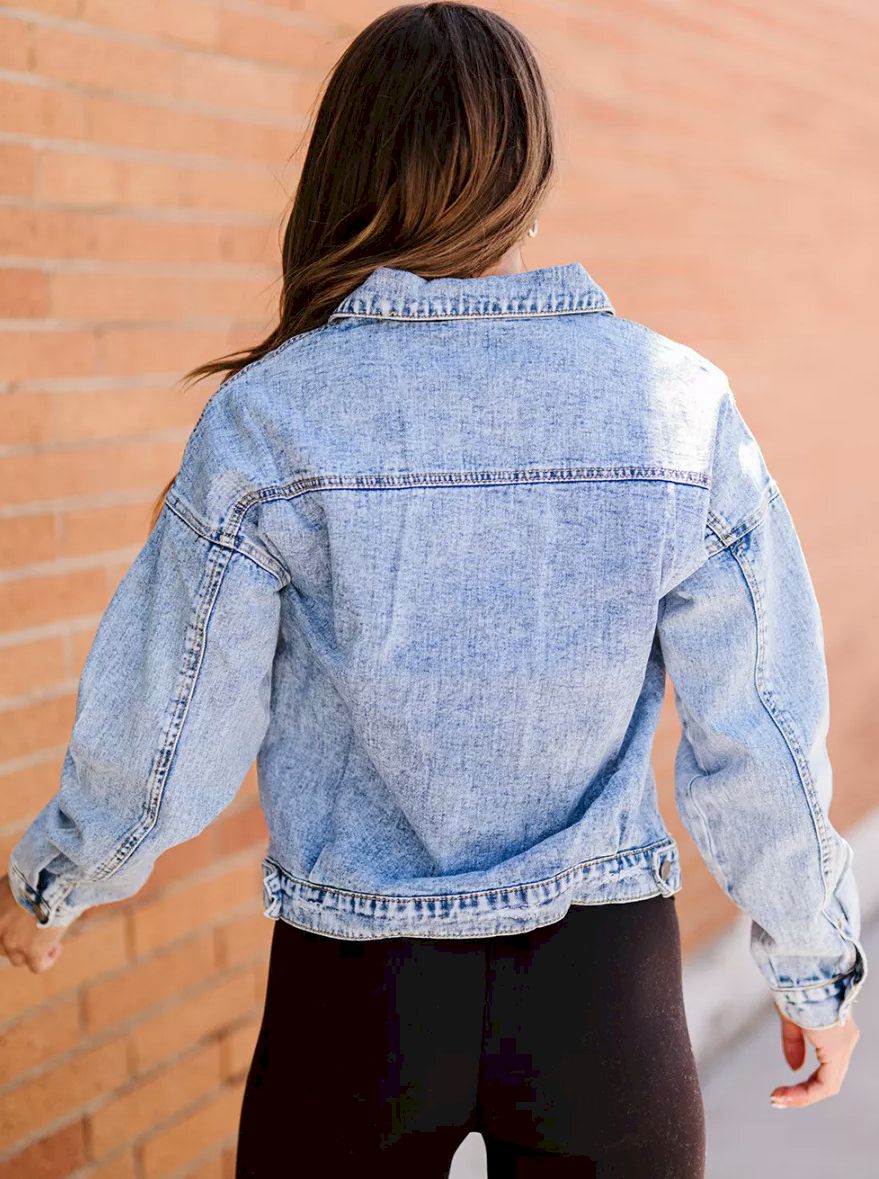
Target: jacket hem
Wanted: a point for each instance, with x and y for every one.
(631, 874)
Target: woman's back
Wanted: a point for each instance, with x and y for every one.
(479, 491)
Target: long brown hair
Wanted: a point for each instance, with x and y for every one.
(433, 146)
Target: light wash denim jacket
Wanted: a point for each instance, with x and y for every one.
(428, 564)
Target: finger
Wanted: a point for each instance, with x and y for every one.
(824, 1082)
(793, 1043)
(16, 957)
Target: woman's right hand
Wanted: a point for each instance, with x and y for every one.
(833, 1047)
(22, 939)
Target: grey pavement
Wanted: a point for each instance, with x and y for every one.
(746, 1135)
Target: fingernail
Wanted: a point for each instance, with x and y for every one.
(778, 1104)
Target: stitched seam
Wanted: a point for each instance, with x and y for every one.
(438, 930)
(242, 547)
(464, 314)
(364, 482)
(729, 535)
(454, 478)
(765, 694)
(193, 659)
(837, 978)
(639, 854)
(786, 729)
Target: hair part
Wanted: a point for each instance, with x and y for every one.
(432, 148)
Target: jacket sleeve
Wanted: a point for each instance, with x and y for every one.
(172, 707)
(742, 639)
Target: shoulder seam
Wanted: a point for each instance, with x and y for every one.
(722, 535)
(240, 545)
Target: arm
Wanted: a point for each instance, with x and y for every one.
(172, 707)
(743, 642)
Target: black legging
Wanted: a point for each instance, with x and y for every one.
(566, 1047)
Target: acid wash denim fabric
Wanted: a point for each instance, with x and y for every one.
(428, 564)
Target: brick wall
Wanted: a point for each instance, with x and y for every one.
(717, 178)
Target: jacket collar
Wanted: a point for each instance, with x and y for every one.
(390, 293)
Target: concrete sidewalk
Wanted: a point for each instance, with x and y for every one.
(746, 1135)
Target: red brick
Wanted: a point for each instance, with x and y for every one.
(180, 911)
(157, 1098)
(62, 1091)
(53, 1157)
(31, 727)
(27, 539)
(147, 983)
(171, 1149)
(24, 791)
(180, 863)
(243, 827)
(135, 466)
(29, 355)
(46, 598)
(243, 938)
(31, 108)
(87, 531)
(237, 1047)
(212, 1168)
(188, 21)
(14, 39)
(209, 1010)
(16, 169)
(23, 293)
(26, 419)
(72, 233)
(36, 1039)
(34, 666)
(273, 37)
(120, 1165)
(83, 57)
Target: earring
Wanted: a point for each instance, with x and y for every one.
(532, 230)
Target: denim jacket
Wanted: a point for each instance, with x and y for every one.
(428, 564)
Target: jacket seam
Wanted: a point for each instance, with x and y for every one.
(640, 852)
(828, 982)
(241, 546)
(188, 677)
(439, 933)
(398, 318)
(779, 718)
(728, 535)
(445, 478)
(786, 729)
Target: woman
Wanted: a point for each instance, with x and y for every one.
(431, 549)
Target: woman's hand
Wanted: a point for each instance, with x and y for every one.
(833, 1047)
(22, 939)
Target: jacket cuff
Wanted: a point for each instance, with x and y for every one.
(827, 1005)
(48, 906)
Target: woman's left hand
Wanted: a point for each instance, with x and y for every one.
(22, 939)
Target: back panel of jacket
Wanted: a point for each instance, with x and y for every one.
(479, 518)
